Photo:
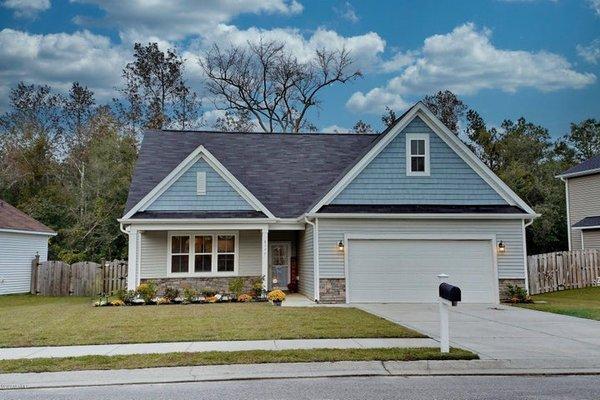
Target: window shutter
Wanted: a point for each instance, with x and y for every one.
(201, 183)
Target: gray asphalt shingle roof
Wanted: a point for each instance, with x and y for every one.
(15, 219)
(287, 172)
(588, 165)
(587, 222)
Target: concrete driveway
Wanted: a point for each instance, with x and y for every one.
(502, 332)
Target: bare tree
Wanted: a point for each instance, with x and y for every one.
(234, 121)
(267, 81)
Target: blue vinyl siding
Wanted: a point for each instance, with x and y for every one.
(181, 196)
(451, 180)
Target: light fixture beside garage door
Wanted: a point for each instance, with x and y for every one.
(501, 247)
(341, 245)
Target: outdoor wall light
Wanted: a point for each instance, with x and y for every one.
(341, 245)
(501, 247)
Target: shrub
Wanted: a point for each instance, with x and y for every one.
(516, 294)
(171, 293)
(189, 294)
(257, 286)
(147, 291)
(236, 286)
(244, 298)
(126, 296)
(209, 292)
(276, 295)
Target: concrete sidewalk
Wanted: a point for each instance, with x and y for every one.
(290, 370)
(191, 347)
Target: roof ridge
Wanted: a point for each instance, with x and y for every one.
(300, 134)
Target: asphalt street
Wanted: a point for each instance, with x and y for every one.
(430, 388)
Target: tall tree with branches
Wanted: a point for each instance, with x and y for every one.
(155, 94)
(447, 107)
(266, 80)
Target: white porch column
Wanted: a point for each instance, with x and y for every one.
(265, 257)
(132, 260)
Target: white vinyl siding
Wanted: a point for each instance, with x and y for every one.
(331, 231)
(306, 270)
(405, 270)
(583, 202)
(154, 253)
(17, 251)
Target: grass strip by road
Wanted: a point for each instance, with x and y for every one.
(28, 320)
(224, 358)
(582, 303)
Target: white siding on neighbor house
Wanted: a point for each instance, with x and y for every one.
(331, 231)
(305, 262)
(591, 239)
(584, 192)
(154, 249)
(17, 250)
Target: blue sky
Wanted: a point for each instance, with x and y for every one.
(505, 58)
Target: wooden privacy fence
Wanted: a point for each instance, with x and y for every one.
(550, 272)
(57, 278)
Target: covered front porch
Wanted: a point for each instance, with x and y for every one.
(205, 255)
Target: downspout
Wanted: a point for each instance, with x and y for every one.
(315, 257)
(525, 225)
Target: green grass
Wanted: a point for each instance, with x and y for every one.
(582, 303)
(27, 320)
(220, 358)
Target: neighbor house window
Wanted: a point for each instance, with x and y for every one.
(226, 253)
(180, 253)
(202, 253)
(417, 154)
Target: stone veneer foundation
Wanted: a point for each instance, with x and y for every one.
(220, 284)
(332, 290)
(502, 283)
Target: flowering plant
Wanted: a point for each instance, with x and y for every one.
(276, 295)
(244, 298)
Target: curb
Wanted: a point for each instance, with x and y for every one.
(238, 372)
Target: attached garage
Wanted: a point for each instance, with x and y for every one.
(404, 269)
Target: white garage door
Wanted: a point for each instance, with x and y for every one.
(406, 270)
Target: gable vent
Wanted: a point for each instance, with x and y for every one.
(201, 183)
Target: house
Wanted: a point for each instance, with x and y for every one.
(582, 190)
(21, 239)
(346, 217)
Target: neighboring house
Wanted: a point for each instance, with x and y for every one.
(21, 239)
(350, 218)
(582, 190)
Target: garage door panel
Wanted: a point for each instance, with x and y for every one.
(406, 270)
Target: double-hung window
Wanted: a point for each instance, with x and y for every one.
(417, 154)
(202, 253)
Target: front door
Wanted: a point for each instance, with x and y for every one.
(279, 260)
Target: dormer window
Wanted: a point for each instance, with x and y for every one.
(417, 154)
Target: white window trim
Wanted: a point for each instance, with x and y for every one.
(409, 138)
(214, 272)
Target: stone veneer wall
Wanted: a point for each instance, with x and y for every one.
(502, 286)
(332, 290)
(220, 284)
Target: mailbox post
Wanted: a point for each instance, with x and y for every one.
(448, 295)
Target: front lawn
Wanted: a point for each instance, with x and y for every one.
(219, 358)
(27, 320)
(582, 303)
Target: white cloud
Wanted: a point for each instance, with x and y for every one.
(365, 49)
(591, 52)
(26, 8)
(347, 12)
(335, 129)
(59, 59)
(177, 19)
(595, 6)
(466, 62)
